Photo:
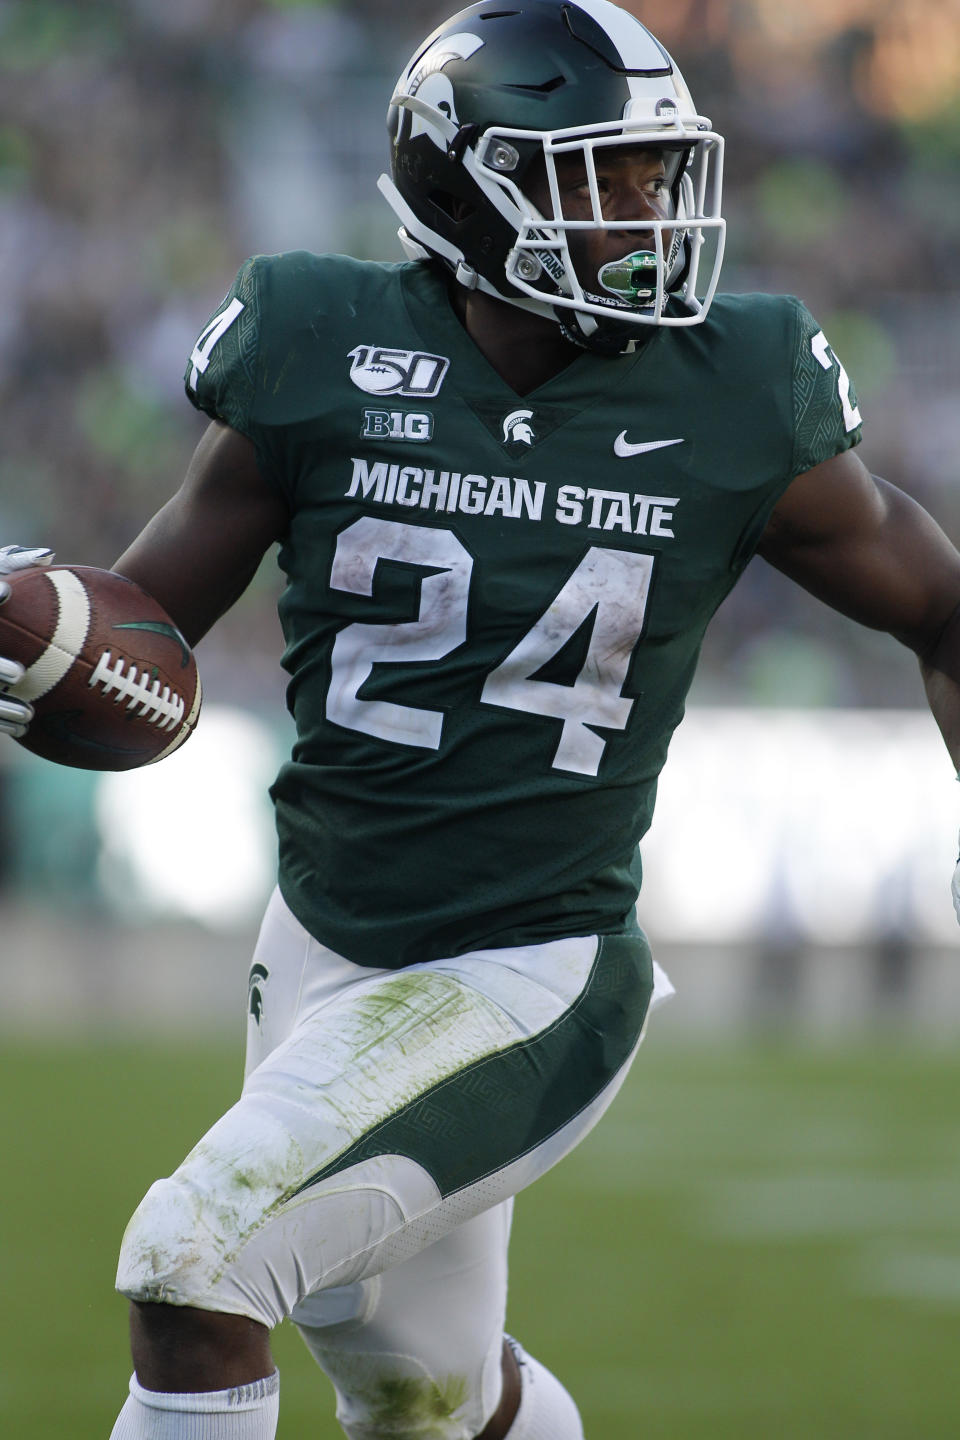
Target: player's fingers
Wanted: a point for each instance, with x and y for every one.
(4, 591)
(23, 557)
(11, 672)
(15, 716)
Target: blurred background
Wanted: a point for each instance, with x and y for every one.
(798, 870)
(148, 147)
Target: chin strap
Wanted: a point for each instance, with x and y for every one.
(606, 338)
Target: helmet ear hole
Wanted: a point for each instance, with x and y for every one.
(454, 207)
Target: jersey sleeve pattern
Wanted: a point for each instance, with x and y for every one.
(826, 418)
(220, 373)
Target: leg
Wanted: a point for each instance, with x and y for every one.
(498, 1426)
(419, 1350)
(181, 1349)
(399, 1106)
(200, 1372)
(418, 1353)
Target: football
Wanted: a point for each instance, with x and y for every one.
(113, 683)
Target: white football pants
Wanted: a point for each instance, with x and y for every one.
(362, 1183)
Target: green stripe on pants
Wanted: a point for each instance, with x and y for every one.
(500, 1107)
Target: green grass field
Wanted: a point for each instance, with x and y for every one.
(758, 1240)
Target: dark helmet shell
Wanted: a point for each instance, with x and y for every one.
(537, 66)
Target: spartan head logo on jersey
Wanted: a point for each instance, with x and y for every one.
(517, 429)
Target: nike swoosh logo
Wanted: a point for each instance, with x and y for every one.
(623, 448)
(157, 627)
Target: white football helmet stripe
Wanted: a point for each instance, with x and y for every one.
(639, 50)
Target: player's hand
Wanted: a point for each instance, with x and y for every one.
(22, 557)
(15, 715)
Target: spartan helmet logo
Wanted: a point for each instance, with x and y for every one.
(429, 84)
(516, 428)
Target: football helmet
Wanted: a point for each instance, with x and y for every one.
(484, 108)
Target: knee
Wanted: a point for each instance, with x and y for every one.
(163, 1258)
(181, 1337)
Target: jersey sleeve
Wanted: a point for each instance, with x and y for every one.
(219, 378)
(826, 417)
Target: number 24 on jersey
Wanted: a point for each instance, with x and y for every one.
(611, 586)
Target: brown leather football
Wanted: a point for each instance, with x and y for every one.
(112, 681)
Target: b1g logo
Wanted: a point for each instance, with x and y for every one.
(397, 372)
(397, 425)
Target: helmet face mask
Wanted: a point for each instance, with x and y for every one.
(638, 284)
(497, 102)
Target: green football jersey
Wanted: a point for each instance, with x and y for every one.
(494, 603)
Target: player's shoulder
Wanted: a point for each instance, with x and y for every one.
(268, 345)
(307, 268)
(757, 319)
(773, 347)
(287, 282)
(757, 341)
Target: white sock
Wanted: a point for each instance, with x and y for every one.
(247, 1412)
(547, 1411)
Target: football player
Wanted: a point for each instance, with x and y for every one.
(512, 479)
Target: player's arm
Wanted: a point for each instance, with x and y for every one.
(198, 554)
(869, 551)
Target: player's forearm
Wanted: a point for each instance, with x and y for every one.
(941, 677)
